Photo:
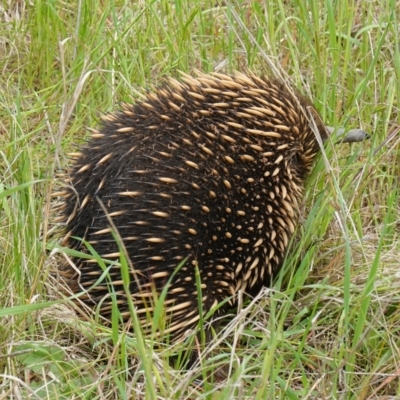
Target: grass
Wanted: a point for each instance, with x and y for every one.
(328, 329)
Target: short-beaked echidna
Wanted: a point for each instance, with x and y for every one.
(208, 169)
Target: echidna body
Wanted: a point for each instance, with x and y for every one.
(209, 169)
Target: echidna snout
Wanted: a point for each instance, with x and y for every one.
(209, 169)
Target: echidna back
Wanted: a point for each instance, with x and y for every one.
(209, 170)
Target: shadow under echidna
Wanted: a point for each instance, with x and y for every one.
(208, 171)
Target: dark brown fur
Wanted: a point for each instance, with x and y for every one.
(209, 169)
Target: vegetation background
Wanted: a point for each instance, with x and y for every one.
(329, 328)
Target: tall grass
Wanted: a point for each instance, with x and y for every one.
(329, 328)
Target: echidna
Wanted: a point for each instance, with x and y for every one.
(208, 171)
